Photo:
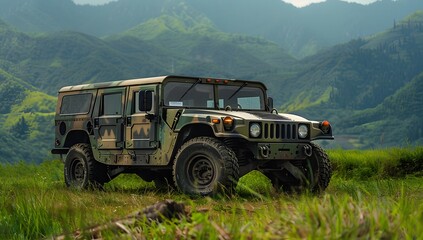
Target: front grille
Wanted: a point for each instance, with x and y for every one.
(280, 131)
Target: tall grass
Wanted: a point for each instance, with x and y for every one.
(377, 164)
(369, 197)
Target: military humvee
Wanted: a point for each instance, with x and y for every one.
(199, 135)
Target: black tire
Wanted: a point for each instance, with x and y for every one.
(323, 171)
(82, 171)
(316, 169)
(205, 166)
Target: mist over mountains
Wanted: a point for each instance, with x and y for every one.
(359, 66)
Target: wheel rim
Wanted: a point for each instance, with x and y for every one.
(201, 171)
(78, 171)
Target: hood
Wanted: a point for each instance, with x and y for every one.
(293, 117)
(250, 115)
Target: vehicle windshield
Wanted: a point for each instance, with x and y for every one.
(201, 95)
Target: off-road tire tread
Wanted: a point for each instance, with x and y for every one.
(229, 159)
(97, 172)
(324, 171)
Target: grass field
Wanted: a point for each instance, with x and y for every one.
(375, 194)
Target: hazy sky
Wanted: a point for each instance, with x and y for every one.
(93, 2)
(298, 3)
(302, 3)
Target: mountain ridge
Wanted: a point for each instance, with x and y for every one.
(301, 31)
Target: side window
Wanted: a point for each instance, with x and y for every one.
(137, 101)
(112, 104)
(177, 94)
(76, 104)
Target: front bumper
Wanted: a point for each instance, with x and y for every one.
(283, 151)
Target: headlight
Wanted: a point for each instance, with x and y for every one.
(302, 131)
(255, 130)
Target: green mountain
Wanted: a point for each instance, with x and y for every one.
(189, 38)
(48, 61)
(396, 121)
(26, 121)
(361, 73)
(367, 87)
(301, 31)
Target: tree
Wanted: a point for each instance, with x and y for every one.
(21, 128)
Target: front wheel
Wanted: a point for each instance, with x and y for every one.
(205, 166)
(82, 170)
(322, 169)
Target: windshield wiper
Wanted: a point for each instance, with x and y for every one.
(237, 91)
(189, 89)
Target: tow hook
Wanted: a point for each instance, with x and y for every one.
(308, 150)
(264, 151)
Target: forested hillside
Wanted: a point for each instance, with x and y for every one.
(396, 121)
(362, 73)
(48, 61)
(302, 32)
(26, 121)
(368, 86)
(192, 45)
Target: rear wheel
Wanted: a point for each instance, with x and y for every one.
(82, 170)
(205, 166)
(312, 175)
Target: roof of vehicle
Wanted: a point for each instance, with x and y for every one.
(119, 83)
(131, 82)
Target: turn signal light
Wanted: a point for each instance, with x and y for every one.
(325, 126)
(228, 123)
(215, 120)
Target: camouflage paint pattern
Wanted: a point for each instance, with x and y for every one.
(127, 137)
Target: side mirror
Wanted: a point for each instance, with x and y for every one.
(270, 103)
(146, 98)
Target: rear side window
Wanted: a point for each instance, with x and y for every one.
(112, 104)
(76, 104)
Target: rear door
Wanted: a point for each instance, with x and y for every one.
(109, 124)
